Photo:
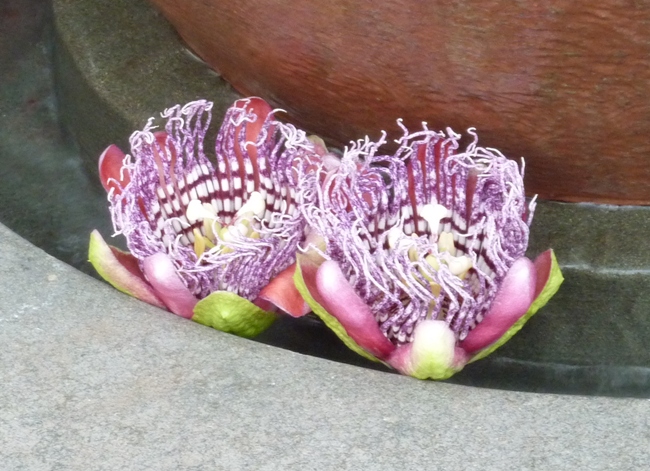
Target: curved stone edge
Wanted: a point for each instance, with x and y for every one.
(118, 63)
(102, 381)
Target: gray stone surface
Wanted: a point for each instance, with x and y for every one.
(95, 380)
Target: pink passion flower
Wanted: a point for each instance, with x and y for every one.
(214, 243)
(418, 259)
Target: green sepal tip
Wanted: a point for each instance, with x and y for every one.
(227, 312)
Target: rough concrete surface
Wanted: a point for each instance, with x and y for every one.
(95, 380)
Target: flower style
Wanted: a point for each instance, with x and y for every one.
(420, 262)
(217, 243)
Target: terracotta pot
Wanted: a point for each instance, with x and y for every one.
(565, 84)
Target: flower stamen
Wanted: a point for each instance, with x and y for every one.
(446, 243)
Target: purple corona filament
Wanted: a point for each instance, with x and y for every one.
(426, 233)
(231, 226)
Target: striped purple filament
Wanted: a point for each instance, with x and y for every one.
(230, 226)
(434, 239)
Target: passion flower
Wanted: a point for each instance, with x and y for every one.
(421, 260)
(215, 243)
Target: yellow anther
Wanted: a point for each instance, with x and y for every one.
(435, 290)
(433, 261)
(225, 234)
(446, 243)
(254, 235)
(199, 242)
(208, 243)
(459, 266)
(413, 251)
(315, 245)
(211, 229)
(432, 306)
(317, 141)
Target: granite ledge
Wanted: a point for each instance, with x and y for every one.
(95, 380)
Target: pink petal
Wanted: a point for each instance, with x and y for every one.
(161, 273)
(433, 354)
(513, 299)
(338, 298)
(121, 270)
(110, 169)
(265, 305)
(543, 265)
(282, 292)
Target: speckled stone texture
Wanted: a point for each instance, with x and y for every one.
(119, 62)
(95, 380)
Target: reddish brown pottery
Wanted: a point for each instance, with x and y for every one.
(564, 83)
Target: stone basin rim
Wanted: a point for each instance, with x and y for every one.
(619, 256)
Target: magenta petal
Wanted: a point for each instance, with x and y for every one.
(339, 299)
(543, 264)
(282, 292)
(513, 299)
(161, 273)
(111, 173)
